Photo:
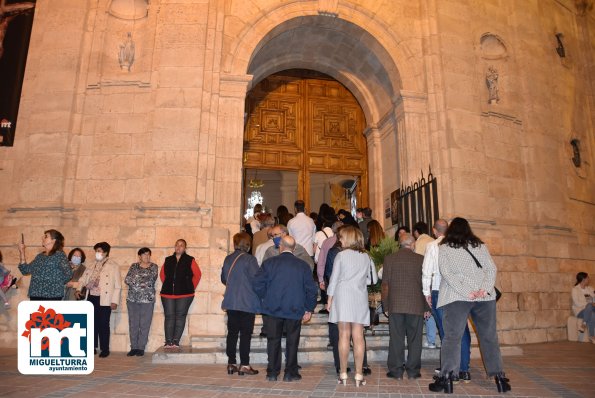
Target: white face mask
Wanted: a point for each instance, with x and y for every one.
(98, 256)
(76, 260)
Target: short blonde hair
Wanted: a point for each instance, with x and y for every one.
(352, 238)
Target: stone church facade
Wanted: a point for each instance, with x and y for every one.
(132, 115)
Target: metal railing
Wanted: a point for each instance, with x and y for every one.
(416, 202)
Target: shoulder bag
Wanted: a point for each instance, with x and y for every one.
(498, 292)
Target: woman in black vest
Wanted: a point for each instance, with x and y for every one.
(180, 276)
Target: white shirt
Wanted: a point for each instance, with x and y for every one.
(261, 250)
(254, 225)
(430, 279)
(579, 298)
(302, 229)
(319, 238)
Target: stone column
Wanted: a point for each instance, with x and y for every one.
(229, 142)
(412, 135)
(375, 172)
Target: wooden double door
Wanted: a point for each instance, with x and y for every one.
(306, 122)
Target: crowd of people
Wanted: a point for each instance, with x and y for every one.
(56, 276)
(280, 266)
(443, 280)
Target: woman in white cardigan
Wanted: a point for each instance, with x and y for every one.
(582, 304)
(101, 285)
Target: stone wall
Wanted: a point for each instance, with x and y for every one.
(144, 156)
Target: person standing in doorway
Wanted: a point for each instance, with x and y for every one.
(302, 228)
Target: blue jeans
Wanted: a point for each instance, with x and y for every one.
(431, 330)
(588, 317)
(437, 313)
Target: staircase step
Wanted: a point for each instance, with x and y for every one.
(189, 355)
(310, 340)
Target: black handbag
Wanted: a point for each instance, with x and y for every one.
(498, 292)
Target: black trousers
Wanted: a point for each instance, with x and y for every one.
(274, 329)
(175, 311)
(102, 318)
(333, 336)
(242, 323)
(401, 325)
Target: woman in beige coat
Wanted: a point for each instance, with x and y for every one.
(101, 285)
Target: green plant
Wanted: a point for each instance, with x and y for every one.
(386, 246)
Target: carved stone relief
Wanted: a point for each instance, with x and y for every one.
(123, 44)
(492, 83)
(129, 9)
(126, 53)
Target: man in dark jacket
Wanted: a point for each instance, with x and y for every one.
(406, 306)
(288, 294)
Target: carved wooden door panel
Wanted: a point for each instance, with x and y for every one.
(306, 124)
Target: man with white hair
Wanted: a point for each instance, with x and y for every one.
(406, 306)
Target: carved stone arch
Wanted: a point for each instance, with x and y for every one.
(395, 104)
(239, 52)
(359, 89)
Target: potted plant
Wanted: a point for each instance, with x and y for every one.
(386, 246)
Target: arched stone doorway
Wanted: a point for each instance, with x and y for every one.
(304, 132)
(365, 62)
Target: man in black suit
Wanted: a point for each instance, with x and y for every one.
(288, 294)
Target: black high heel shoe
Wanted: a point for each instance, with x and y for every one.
(231, 369)
(442, 383)
(502, 383)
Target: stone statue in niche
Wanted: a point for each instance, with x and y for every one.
(126, 54)
(492, 83)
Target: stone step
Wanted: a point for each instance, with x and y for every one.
(306, 341)
(322, 328)
(315, 320)
(189, 355)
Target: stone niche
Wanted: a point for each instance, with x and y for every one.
(129, 9)
(492, 47)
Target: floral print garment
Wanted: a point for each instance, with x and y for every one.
(141, 283)
(49, 274)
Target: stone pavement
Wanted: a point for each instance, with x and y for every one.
(562, 369)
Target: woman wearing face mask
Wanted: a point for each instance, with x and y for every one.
(76, 257)
(49, 270)
(101, 285)
(180, 276)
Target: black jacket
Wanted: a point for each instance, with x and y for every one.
(178, 275)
